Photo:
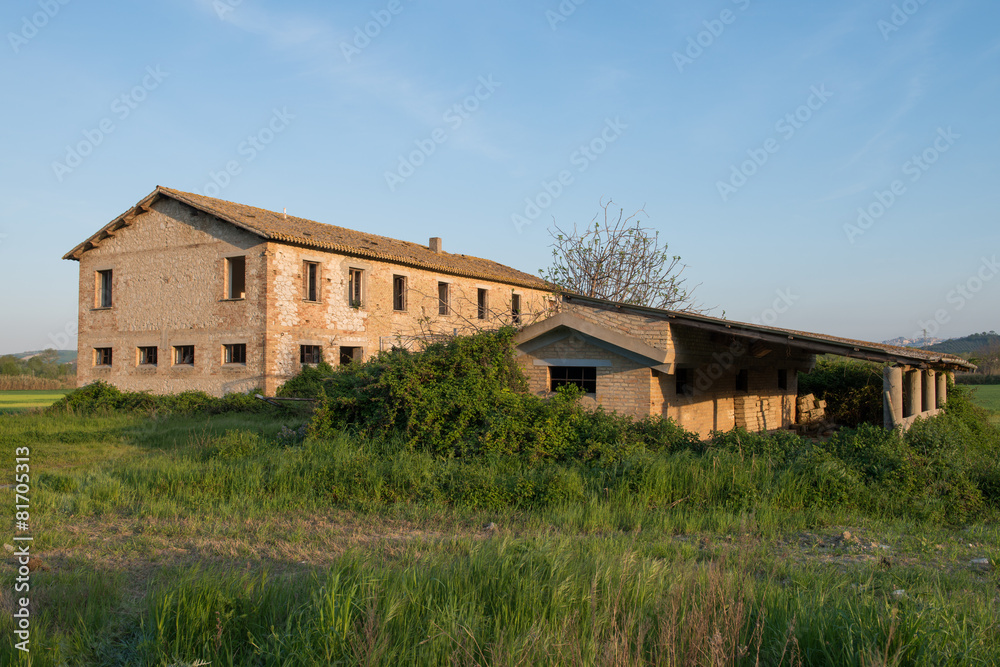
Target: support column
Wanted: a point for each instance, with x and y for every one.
(915, 394)
(930, 390)
(942, 389)
(892, 396)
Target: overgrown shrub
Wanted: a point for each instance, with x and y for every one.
(852, 390)
(101, 397)
(310, 383)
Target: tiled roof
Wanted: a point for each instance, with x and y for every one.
(814, 342)
(300, 231)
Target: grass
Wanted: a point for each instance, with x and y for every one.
(18, 401)
(988, 396)
(175, 540)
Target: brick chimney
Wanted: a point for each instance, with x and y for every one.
(435, 244)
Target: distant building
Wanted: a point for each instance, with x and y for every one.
(189, 292)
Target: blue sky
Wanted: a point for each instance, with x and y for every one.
(754, 135)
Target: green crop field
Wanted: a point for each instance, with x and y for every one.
(988, 396)
(16, 401)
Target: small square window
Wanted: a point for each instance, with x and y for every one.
(104, 285)
(482, 303)
(349, 355)
(102, 356)
(235, 353)
(743, 380)
(147, 356)
(443, 299)
(184, 355)
(399, 293)
(584, 377)
(236, 277)
(310, 281)
(782, 379)
(310, 354)
(354, 283)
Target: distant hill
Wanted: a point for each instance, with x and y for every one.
(65, 356)
(912, 342)
(967, 344)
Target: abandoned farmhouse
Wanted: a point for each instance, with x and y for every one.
(187, 292)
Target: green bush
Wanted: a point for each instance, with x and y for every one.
(101, 398)
(852, 390)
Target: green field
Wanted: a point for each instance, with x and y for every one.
(17, 401)
(988, 396)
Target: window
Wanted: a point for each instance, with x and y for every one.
(683, 376)
(515, 308)
(102, 356)
(147, 356)
(103, 289)
(354, 282)
(184, 355)
(482, 303)
(235, 353)
(399, 292)
(310, 281)
(310, 354)
(443, 307)
(584, 377)
(782, 379)
(743, 380)
(236, 277)
(349, 355)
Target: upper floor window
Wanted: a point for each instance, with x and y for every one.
(236, 277)
(354, 282)
(482, 303)
(444, 307)
(399, 292)
(310, 281)
(102, 356)
(103, 282)
(515, 308)
(147, 356)
(235, 353)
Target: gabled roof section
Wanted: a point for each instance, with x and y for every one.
(308, 233)
(613, 338)
(810, 342)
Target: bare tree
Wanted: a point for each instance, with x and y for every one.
(619, 260)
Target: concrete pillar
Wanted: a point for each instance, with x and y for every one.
(914, 393)
(942, 389)
(892, 396)
(930, 390)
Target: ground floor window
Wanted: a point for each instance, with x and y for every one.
(310, 354)
(147, 356)
(235, 353)
(350, 355)
(584, 377)
(184, 355)
(102, 356)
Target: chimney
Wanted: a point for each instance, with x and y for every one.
(435, 244)
(284, 213)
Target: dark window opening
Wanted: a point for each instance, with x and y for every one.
(684, 378)
(443, 304)
(236, 353)
(482, 305)
(782, 379)
(354, 288)
(399, 292)
(104, 288)
(515, 308)
(102, 356)
(310, 281)
(349, 355)
(184, 355)
(147, 356)
(310, 354)
(743, 380)
(584, 377)
(236, 277)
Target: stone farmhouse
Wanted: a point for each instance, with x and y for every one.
(189, 292)
(185, 292)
